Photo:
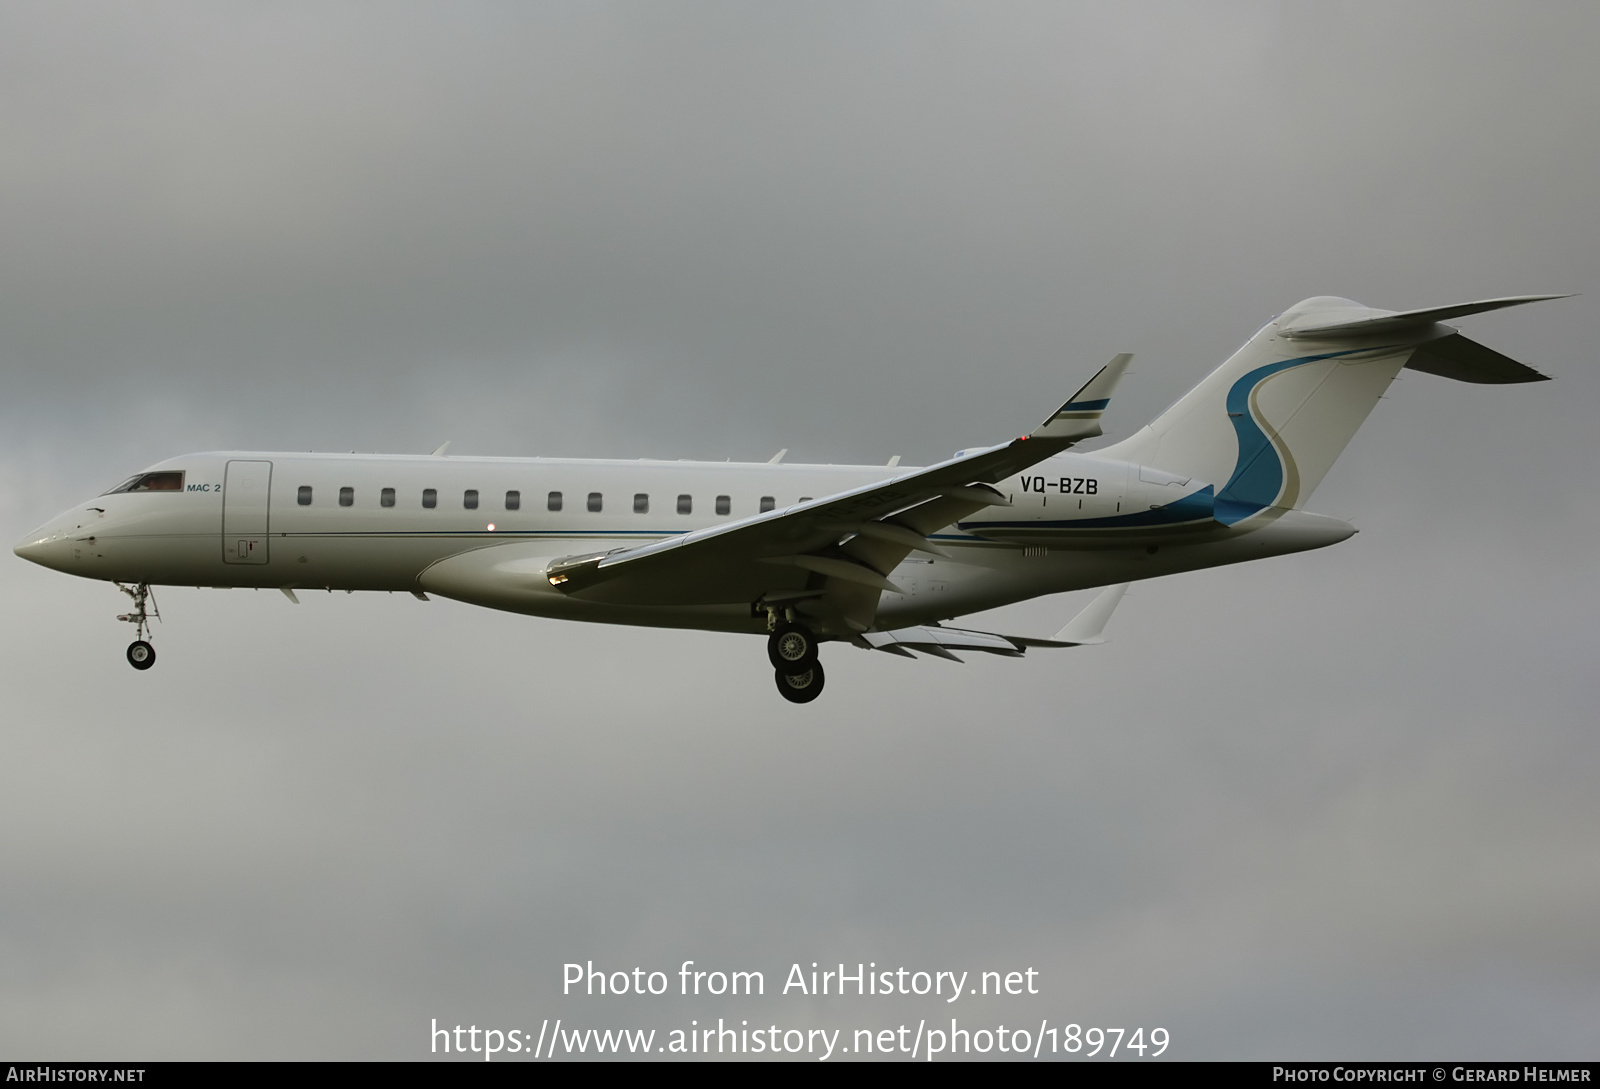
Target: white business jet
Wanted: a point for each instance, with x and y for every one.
(875, 556)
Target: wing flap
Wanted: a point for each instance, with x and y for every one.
(1083, 630)
(940, 641)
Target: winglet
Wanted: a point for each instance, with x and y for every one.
(1079, 418)
(1085, 628)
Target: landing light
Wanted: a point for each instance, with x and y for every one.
(491, 527)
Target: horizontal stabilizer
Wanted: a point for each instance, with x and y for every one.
(1383, 323)
(1468, 361)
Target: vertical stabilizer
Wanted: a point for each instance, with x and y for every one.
(1266, 426)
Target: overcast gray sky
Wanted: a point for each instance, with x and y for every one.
(1332, 805)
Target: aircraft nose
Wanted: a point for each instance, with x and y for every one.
(46, 546)
(34, 546)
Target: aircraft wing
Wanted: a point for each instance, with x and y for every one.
(830, 557)
(936, 639)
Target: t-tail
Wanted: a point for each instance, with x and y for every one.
(1265, 427)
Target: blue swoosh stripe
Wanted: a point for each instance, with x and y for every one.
(1257, 478)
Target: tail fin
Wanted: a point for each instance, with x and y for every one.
(1265, 427)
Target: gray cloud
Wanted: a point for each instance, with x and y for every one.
(1329, 805)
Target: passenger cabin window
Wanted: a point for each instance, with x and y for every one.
(594, 502)
(386, 497)
(304, 496)
(151, 482)
(469, 499)
(723, 504)
(513, 500)
(767, 503)
(554, 502)
(685, 504)
(430, 497)
(641, 503)
(347, 497)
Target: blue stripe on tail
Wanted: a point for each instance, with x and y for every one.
(1257, 478)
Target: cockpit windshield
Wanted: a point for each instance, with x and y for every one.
(168, 481)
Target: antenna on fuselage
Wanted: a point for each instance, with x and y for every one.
(443, 446)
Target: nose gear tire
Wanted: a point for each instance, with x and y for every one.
(141, 655)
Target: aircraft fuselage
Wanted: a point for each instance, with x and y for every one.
(874, 555)
(384, 522)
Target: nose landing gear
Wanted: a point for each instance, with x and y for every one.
(141, 655)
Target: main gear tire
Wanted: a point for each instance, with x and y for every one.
(800, 687)
(792, 647)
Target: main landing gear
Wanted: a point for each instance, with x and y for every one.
(801, 687)
(798, 674)
(141, 655)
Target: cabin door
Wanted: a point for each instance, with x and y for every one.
(244, 511)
